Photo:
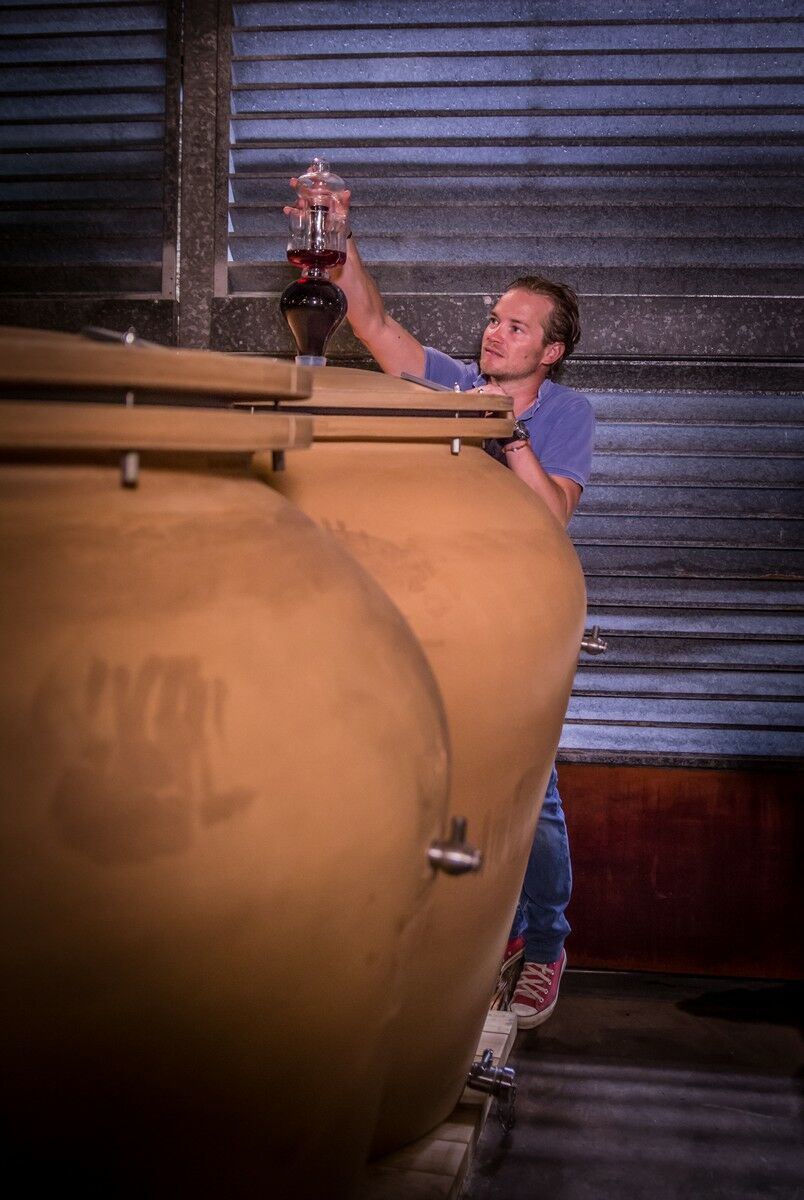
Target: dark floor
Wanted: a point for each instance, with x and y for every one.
(654, 1087)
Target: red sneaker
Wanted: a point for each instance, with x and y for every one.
(509, 969)
(536, 992)
(513, 953)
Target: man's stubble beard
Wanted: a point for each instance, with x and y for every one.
(504, 376)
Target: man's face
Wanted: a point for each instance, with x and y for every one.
(514, 345)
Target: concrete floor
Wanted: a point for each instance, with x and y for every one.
(647, 1087)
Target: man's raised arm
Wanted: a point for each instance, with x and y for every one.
(394, 348)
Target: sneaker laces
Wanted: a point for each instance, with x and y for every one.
(535, 980)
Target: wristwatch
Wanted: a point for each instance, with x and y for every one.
(521, 433)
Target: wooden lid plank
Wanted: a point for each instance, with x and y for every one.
(119, 427)
(40, 358)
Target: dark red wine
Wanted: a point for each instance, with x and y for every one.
(317, 258)
(313, 309)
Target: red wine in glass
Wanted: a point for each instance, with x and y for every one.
(323, 259)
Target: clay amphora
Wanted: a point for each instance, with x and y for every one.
(224, 758)
(492, 587)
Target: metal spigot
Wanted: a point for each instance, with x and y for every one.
(452, 855)
(499, 1082)
(592, 642)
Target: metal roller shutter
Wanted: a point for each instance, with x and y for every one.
(88, 148)
(651, 157)
(690, 537)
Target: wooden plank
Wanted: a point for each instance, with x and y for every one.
(713, 863)
(35, 357)
(460, 1127)
(501, 1022)
(389, 1184)
(117, 427)
(351, 388)
(431, 1154)
(409, 429)
(435, 1166)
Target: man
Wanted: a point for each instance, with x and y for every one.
(531, 329)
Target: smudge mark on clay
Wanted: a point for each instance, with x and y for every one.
(135, 749)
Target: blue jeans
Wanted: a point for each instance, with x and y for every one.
(548, 884)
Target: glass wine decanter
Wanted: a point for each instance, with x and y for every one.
(313, 305)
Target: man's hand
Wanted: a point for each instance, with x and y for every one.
(339, 204)
(559, 494)
(488, 389)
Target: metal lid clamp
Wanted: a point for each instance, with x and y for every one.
(130, 459)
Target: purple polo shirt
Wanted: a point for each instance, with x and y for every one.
(560, 421)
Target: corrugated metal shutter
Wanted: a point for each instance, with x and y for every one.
(651, 152)
(690, 538)
(88, 147)
(649, 155)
